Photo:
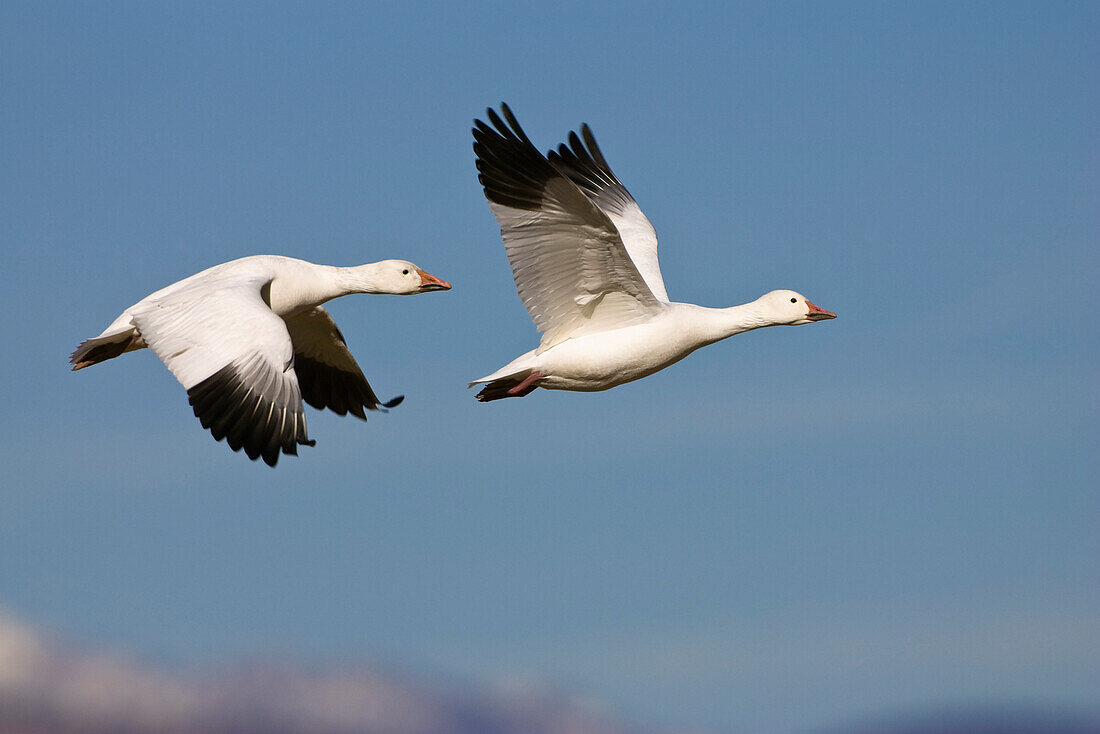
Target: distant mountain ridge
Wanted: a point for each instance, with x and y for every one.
(47, 687)
(50, 688)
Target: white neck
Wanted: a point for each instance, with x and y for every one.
(715, 324)
(302, 285)
(358, 279)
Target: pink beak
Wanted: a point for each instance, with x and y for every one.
(818, 314)
(431, 283)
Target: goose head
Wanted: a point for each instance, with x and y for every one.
(790, 308)
(402, 278)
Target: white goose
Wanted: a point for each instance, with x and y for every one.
(584, 259)
(250, 341)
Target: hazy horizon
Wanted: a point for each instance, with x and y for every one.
(50, 684)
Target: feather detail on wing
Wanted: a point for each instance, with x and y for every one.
(233, 355)
(588, 169)
(572, 270)
(328, 374)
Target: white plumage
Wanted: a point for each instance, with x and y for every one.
(584, 259)
(249, 341)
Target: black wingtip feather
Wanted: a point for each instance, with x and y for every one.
(582, 161)
(494, 118)
(340, 391)
(246, 419)
(593, 147)
(511, 170)
(575, 145)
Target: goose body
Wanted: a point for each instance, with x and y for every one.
(249, 340)
(584, 259)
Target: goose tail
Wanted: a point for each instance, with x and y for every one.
(511, 386)
(101, 348)
(498, 389)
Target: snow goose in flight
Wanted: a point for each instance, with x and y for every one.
(249, 340)
(584, 258)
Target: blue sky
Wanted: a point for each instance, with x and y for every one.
(793, 528)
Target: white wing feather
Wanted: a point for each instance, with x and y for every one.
(572, 270)
(198, 330)
(588, 169)
(234, 355)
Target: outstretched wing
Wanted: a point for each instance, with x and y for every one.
(328, 375)
(233, 355)
(588, 169)
(572, 270)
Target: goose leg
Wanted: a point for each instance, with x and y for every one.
(527, 385)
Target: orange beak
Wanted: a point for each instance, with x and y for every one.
(431, 283)
(818, 314)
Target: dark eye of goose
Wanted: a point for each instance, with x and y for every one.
(405, 271)
(794, 300)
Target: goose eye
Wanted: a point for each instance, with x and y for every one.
(405, 271)
(794, 300)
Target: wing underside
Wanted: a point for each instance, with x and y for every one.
(572, 270)
(328, 375)
(233, 355)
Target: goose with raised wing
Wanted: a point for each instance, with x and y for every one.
(584, 259)
(250, 341)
